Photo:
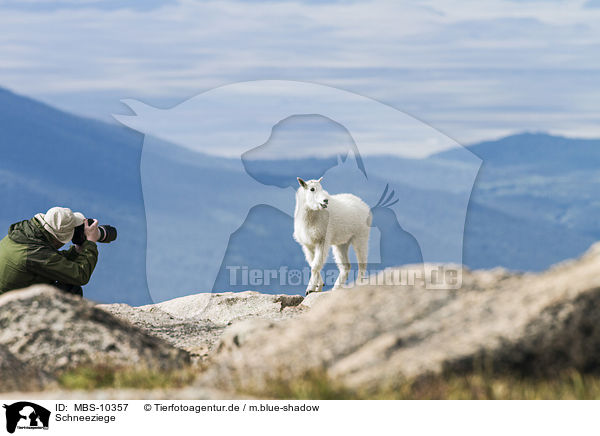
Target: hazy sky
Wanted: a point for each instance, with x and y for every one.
(472, 69)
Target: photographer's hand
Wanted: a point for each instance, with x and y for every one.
(92, 233)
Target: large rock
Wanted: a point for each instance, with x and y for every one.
(373, 337)
(195, 323)
(55, 331)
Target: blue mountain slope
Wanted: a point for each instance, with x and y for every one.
(538, 151)
(51, 158)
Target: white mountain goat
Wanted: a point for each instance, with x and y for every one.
(322, 220)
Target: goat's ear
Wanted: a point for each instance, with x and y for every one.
(320, 180)
(302, 182)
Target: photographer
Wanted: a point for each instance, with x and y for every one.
(30, 254)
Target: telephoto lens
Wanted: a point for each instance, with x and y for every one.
(107, 233)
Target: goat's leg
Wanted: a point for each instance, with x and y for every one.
(361, 248)
(340, 253)
(316, 280)
(309, 253)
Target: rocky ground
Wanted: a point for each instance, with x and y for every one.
(196, 323)
(367, 338)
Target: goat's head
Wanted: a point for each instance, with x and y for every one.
(312, 194)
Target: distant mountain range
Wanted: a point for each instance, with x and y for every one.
(535, 201)
(542, 179)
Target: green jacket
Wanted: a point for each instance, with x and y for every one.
(28, 256)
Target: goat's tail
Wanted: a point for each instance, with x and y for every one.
(386, 200)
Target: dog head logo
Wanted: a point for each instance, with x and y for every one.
(229, 200)
(26, 415)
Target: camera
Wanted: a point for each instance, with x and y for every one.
(107, 233)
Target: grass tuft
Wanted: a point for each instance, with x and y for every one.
(105, 377)
(312, 385)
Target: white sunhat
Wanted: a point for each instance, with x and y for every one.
(61, 222)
